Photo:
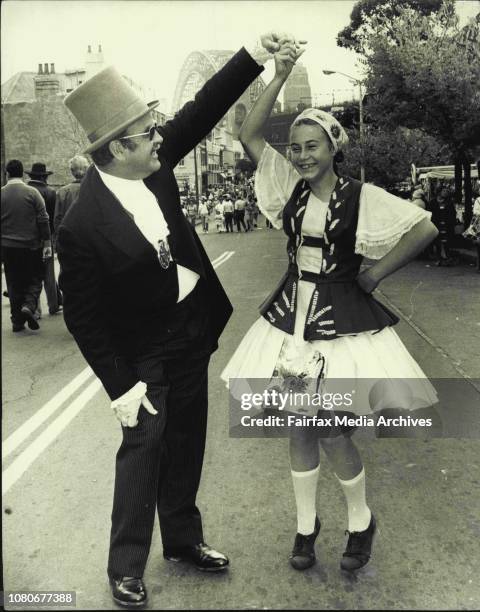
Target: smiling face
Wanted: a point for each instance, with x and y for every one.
(311, 151)
(137, 158)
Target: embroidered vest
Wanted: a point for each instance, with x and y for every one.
(338, 305)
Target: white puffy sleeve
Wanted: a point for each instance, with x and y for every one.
(382, 220)
(275, 179)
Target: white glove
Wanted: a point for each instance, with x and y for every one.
(127, 406)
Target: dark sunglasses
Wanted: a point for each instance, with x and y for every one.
(150, 133)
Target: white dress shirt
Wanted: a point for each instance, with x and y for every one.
(141, 203)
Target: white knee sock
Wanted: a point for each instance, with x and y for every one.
(358, 512)
(305, 489)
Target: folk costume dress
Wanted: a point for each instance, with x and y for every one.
(318, 322)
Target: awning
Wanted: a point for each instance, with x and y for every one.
(448, 174)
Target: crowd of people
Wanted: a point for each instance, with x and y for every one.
(31, 214)
(230, 206)
(440, 202)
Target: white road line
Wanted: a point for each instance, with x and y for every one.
(214, 261)
(25, 430)
(223, 258)
(18, 467)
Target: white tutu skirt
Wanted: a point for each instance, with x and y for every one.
(375, 365)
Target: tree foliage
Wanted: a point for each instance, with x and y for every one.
(368, 15)
(428, 79)
(388, 154)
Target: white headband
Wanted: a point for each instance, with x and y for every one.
(334, 130)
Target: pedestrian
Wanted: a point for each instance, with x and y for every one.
(228, 213)
(473, 230)
(418, 197)
(67, 194)
(38, 179)
(146, 308)
(239, 213)
(219, 217)
(192, 211)
(26, 244)
(249, 215)
(203, 212)
(255, 211)
(444, 218)
(321, 322)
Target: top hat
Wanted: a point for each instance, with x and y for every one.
(39, 169)
(105, 106)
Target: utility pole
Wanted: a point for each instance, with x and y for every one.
(362, 136)
(360, 106)
(196, 173)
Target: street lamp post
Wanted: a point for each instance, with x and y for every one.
(362, 136)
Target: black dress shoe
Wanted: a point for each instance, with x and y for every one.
(54, 311)
(303, 553)
(18, 327)
(202, 556)
(30, 318)
(128, 592)
(359, 547)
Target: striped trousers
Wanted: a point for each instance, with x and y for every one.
(159, 463)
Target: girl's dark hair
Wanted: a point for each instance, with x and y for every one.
(338, 158)
(102, 156)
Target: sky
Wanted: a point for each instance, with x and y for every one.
(150, 40)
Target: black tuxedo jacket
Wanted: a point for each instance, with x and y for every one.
(116, 294)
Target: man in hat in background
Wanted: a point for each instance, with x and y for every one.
(146, 308)
(38, 179)
(25, 244)
(67, 194)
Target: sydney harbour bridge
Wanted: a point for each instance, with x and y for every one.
(197, 69)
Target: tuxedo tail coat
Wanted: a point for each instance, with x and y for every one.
(117, 296)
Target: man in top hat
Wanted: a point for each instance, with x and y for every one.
(146, 308)
(38, 179)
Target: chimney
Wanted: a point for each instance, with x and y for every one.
(93, 61)
(46, 83)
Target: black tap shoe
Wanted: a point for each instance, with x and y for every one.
(303, 553)
(359, 547)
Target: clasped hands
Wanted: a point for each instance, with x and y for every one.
(285, 46)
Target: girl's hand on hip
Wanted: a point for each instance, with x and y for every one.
(367, 281)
